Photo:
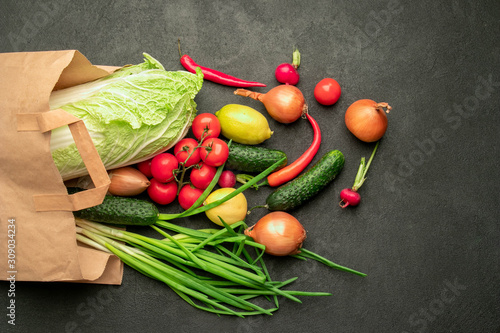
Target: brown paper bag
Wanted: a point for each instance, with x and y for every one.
(37, 228)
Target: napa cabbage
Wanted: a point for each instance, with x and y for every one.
(132, 114)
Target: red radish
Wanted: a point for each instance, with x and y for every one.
(284, 103)
(350, 196)
(287, 73)
(227, 179)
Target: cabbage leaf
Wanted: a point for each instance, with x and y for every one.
(131, 115)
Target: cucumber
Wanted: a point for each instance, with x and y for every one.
(253, 158)
(306, 186)
(119, 211)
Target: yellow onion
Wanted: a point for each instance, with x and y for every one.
(284, 103)
(281, 233)
(127, 181)
(366, 119)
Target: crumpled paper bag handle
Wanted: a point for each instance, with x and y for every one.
(47, 121)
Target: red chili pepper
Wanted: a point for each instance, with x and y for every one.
(293, 170)
(216, 76)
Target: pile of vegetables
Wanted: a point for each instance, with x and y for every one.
(231, 275)
(139, 118)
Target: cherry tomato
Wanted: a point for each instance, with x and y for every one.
(214, 152)
(145, 168)
(187, 147)
(162, 193)
(206, 125)
(327, 91)
(202, 176)
(188, 196)
(163, 166)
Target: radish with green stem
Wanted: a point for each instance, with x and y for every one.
(350, 196)
(287, 73)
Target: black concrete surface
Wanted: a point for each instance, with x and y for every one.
(426, 232)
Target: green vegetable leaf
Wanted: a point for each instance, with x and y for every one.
(132, 114)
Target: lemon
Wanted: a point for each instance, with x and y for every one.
(243, 124)
(231, 211)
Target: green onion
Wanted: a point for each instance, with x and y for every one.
(304, 254)
(202, 272)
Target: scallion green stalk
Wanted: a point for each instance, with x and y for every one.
(231, 280)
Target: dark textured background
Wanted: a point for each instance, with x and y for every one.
(427, 230)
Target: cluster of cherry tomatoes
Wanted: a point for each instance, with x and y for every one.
(186, 172)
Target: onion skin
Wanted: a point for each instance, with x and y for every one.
(366, 119)
(281, 233)
(284, 103)
(127, 181)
